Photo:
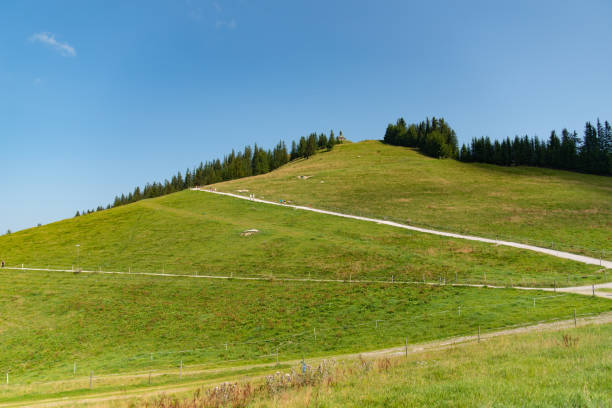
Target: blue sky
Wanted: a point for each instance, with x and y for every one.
(97, 97)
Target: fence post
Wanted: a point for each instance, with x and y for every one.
(459, 311)
(149, 377)
(593, 289)
(555, 286)
(479, 334)
(456, 277)
(277, 356)
(74, 369)
(534, 302)
(7, 382)
(91, 379)
(406, 346)
(575, 324)
(181, 369)
(315, 333)
(511, 285)
(151, 356)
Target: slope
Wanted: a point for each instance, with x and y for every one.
(196, 233)
(545, 207)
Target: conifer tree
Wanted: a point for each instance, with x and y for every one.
(311, 145)
(294, 151)
(322, 142)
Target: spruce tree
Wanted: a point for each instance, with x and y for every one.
(311, 145)
(294, 151)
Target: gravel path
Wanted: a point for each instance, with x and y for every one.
(552, 252)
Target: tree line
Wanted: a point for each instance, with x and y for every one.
(433, 137)
(591, 154)
(249, 162)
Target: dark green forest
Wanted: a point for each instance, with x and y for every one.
(590, 154)
(433, 137)
(249, 162)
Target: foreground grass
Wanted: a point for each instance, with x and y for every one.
(195, 232)
(110, 324)
(545, 207)
(560, 368)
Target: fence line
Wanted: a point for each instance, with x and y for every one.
(178, 369)
(493, 283)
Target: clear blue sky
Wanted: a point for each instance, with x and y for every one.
(97, 97)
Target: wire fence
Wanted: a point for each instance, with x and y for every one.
(508, 280)
(318, 340)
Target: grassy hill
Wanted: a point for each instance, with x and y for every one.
(546, 207)
(111, 323)
(194, 232)
(120, 323)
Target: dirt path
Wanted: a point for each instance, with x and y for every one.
(552, 252)
(108, 397)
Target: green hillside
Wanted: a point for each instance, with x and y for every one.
(537, 370)
(546, 207)
(195, 232)
(111, 323)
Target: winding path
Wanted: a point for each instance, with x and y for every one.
(552, 252)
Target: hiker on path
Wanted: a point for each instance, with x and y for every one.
(2, 264)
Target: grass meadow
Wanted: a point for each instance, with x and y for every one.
(114, 323)
(194, 232)
(545, 207)
(568, 368)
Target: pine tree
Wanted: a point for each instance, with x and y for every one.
(331, 141)
(302, 147)
(294, 151)
(311, 145)
(322, 142)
